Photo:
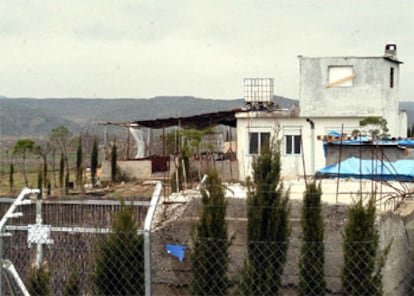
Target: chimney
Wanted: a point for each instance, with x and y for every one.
(391, 51)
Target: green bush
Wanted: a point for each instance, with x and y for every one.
(72, 286)
(362, 270)
(210, 257)
(268, 228)
(312, 259)
(119, 259)
(38, 282)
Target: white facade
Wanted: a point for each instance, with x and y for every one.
(335, 93)
(269, 122)
(365, 86)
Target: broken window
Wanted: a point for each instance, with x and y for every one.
(340, 76)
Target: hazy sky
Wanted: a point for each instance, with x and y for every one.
(140, 49)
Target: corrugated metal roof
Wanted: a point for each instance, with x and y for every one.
(200, 121)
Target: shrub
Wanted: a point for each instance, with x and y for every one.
(210, 258)
(119, 259)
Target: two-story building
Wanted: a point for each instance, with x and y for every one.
(335, 94)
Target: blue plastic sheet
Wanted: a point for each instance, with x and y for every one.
(176, 250)
(406, 142)
(334, 134)
(400, 170)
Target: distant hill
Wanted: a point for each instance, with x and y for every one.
(28, 117)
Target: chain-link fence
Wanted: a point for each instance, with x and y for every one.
(97, 248)
(76, 246)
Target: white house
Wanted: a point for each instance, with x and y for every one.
(335, 93)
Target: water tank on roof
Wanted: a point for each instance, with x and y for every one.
(258, 91)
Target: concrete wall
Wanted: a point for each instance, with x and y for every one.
(398, 230)
(139, 169)
(227, 170)
(370, 94)
(142, 169)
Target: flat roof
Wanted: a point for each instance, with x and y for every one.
(388, 58)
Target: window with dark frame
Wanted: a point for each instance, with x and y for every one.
(391, 77)
(257, 141)
(293, 144)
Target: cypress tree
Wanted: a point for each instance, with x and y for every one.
(11, 177)
(268, 230)
(119, 259)
(45, 176)
(38, 282)
(79, 167)
(67, 181)
(72, 286)
(61, 169)
(40, 180)
(94, 161)
(362, 270)
(210, 258)
(312, 259)
(114, 156)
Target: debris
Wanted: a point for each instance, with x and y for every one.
(176, 250)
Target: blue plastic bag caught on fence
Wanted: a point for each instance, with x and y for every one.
(176, 250)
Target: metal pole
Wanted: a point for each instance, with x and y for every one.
(39, 221)
(312, 127)
(8, 265)
(339, 165)
(1, 264)
(147, 237)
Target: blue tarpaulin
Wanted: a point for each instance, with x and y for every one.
(365, 140)
(334, 134)
(406, 142)
(400, 170)
(176, 250)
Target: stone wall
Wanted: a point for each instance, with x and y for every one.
(142, 169)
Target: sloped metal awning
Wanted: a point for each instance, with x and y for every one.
(200, 121)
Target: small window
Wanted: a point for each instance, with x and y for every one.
(391, 77)
(257, 141)
(293, 144)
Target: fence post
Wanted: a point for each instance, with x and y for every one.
(1, 261)
(147, 237)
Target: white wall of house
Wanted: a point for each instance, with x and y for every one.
(311, 156)
(372, 91)
(268, 122)
(335, 94)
